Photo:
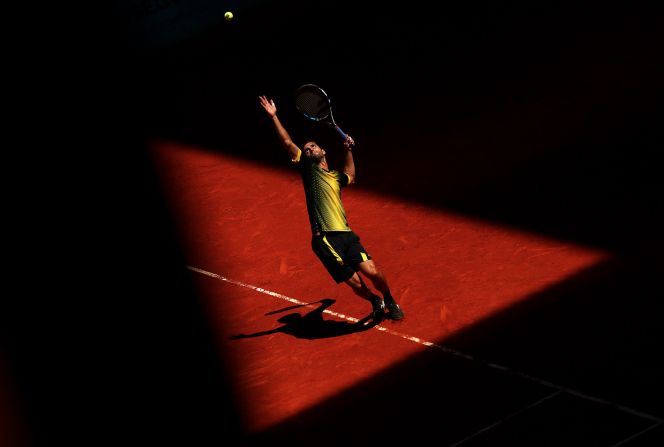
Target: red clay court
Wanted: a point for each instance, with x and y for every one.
(245, 230)
(508, 184)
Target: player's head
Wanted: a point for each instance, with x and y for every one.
(312, 150)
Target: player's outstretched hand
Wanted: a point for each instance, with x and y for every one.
(269, 105)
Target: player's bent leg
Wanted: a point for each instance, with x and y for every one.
(361, 289)
(377, 278)
(369, 269)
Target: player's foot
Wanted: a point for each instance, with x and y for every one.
(378, 308)
(394, 312)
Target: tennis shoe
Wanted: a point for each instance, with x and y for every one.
(378, 308)
(394, 312)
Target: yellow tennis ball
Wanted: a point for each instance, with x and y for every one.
(228, 15)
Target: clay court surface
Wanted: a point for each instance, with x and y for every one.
(244, 226)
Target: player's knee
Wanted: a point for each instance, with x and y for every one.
(371, 270)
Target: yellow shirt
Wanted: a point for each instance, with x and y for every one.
(323, 193)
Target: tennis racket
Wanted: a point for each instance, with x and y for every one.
(312, 102)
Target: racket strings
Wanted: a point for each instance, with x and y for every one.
(312, 104)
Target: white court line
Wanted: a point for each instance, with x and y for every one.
(626, 440)
(506, 418)
(440, 347)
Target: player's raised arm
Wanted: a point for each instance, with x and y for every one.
(349, 163)
(285, 139)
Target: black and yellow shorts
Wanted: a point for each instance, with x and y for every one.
(340, 252)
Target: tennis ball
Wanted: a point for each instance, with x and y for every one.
(228, 15)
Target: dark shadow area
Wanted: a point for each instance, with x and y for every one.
(105, 333)
(104, 337)
(652, 437)
(540, 115)
(312, 325)
(596, 333)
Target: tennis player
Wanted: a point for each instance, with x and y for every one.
(333, 241)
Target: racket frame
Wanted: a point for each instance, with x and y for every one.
(327, 118)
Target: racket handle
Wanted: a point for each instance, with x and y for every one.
(344, 136)
(341, 132)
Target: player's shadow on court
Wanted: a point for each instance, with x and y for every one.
(312, 325)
